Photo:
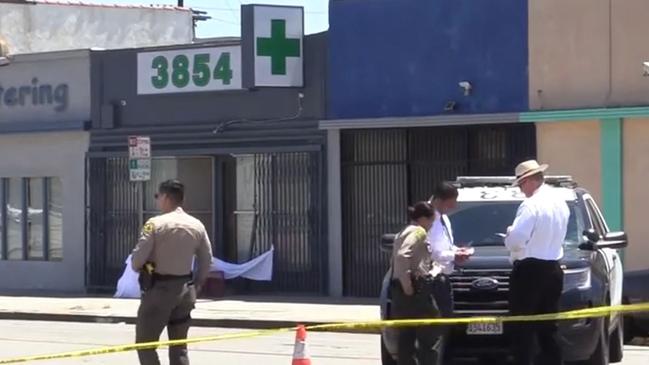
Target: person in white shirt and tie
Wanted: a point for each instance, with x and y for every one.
(535, 241)
(443, 250)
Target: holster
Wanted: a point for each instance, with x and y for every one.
(147, 279)
(423, 285)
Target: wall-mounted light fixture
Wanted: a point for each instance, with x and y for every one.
(466, 86)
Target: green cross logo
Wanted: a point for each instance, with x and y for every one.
(278, 47)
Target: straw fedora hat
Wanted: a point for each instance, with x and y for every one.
(527, 169)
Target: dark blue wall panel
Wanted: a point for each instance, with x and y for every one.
(406, 57)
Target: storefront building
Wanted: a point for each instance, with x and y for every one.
(44, 116)
(432, 90)
(589, 102)
(421, 99)
(238, 127)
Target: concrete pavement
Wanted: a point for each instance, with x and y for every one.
(236, 312)
(23, 338)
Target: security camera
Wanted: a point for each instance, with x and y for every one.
(466, 86)
(646, 68)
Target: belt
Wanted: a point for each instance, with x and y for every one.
(414, 279)
(422, 278)
(163, 277)
(534, 260)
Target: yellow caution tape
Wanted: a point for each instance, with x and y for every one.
(569, 315)
(144, 346)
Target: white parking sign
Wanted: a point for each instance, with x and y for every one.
(139, 154)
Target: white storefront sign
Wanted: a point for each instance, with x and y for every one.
(273, 45)
(47, 87)
(189, 70)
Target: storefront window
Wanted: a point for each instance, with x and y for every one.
(246, 213)
(55, 218)
(41, 200)
(3, 216)
(196, 174)
(14, 195)
(35, 208)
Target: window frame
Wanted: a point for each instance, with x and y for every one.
(3, 216)
(596, 219)
(24, 225)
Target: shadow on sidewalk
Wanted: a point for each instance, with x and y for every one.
(265, 298)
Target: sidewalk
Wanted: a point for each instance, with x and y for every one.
(235, 312)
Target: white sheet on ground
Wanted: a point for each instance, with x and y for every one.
(260, 268)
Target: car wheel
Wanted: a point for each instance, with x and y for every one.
(601, 354)
(386, 358)
(616, 348)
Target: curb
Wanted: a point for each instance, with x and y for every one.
(248, 324)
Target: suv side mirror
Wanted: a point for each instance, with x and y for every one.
(592, 238)
(614, 240)
(592, 235)
(387, 240)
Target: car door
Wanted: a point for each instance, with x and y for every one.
(611, 256)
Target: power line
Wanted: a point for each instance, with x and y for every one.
(226, 21)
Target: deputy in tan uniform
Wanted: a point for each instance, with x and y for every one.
(411, 288)
(169, 242)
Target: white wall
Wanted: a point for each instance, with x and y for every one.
(60, 154)
(50, 27)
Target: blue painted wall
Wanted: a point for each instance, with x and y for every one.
(406, 57)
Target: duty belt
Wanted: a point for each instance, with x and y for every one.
(163, 277)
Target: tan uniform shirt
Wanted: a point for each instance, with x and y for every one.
(412, 255)
(170, 241)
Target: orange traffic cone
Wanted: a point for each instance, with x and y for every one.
(300, 353)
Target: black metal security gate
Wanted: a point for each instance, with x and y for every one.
(384, 170)
(114, 220)
(287, 214)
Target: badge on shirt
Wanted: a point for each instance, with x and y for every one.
(148, 228)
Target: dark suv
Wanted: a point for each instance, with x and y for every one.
(592, 267)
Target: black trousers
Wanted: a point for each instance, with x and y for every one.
(443, 293)
(420, 305)
(535, 288)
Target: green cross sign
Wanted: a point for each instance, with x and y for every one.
(278, 47)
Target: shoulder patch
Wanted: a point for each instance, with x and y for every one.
(420, 233)
(148, 227)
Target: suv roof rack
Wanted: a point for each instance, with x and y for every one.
(475, 181)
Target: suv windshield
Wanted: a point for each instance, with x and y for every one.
(485, 223)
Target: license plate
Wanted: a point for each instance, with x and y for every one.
(484, 329)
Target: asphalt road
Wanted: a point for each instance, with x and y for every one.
(20, 338)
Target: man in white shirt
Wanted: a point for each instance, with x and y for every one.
(535, 241)
(443, 250)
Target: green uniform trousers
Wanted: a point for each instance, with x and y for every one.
(168, 304)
